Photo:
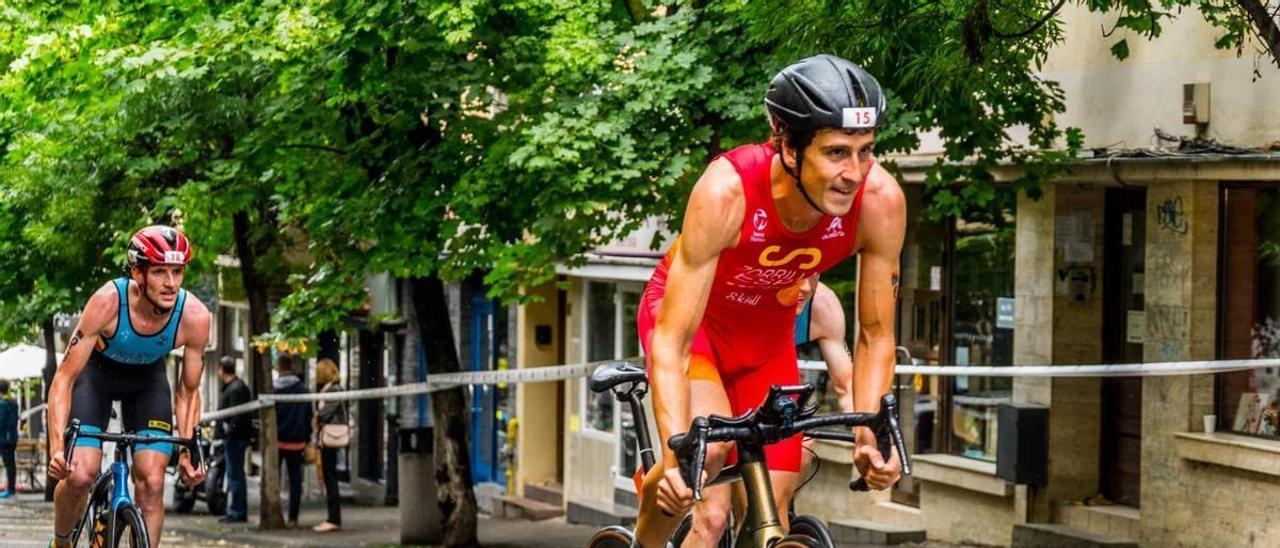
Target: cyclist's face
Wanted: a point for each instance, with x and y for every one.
(835, 163)
(162, 283)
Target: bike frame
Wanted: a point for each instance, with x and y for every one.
(119, 474)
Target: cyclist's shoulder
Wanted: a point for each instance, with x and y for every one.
(884, 194)
(715, 210)
(194, 308)
(102, 306)
(882, 223)
(195, 315)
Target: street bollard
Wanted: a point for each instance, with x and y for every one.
(420, 520)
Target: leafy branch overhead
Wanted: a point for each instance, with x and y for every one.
(460, 136)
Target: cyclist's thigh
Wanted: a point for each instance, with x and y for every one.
(707, 397)
(91, 404)
(148, 407)
(748, 388)
(148, 469)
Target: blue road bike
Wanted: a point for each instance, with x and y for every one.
(111, 518)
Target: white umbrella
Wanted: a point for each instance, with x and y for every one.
(23, 361)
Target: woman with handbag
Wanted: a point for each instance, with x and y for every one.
(333, 434)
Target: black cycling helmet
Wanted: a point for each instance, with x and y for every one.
(824, 91)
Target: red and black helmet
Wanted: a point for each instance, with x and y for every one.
(159, 245)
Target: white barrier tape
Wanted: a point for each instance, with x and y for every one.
(27, 414)
(439, 381)
(235, 410)
(1150, 369)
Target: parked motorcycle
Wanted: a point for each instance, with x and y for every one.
(212, 490)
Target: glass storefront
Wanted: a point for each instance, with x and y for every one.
(1248, 402)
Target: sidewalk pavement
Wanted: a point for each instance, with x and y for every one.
(376, 526)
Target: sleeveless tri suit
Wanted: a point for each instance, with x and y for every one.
(128, 367)
(746, 338)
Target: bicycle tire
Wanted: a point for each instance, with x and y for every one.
(613, 536)
(814, 528)
(129, 525)
(686, 525)
(797, 541)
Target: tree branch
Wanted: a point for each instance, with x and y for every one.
(314, 147)
(1265, 25)
(1032, 28)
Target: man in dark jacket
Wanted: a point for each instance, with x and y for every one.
(8, 438)
(236, 431)
(293, 425)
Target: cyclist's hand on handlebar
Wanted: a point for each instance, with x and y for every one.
(59, 468)
(873, 467)
(675, 498)
(191, 475)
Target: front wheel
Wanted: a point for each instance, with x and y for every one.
(814, 528)
(129, 529)
(797, 541)
(613, 536)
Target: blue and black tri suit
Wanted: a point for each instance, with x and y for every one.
(129, 367)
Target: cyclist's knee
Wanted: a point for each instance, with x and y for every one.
(149, 485)
(81, 480)
(711, 516)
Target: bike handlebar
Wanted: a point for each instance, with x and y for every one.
(779, 418)
(74, 433)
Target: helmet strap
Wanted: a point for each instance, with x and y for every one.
(799, 184)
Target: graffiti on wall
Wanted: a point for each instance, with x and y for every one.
(1170, 215)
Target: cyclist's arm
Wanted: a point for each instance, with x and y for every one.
(827, 325)
(96, 316)
(186, 399)
(713, 220)
(882, 229)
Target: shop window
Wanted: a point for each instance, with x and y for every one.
(955, 307)
(1249, 310)
(981, 334)
(601, 335)
(610, 329)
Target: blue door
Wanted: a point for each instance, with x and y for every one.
(485, 426)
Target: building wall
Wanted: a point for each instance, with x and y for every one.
(1120, 102)
(539, 430)
(1074, 436)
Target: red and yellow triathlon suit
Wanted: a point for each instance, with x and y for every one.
(746, 336)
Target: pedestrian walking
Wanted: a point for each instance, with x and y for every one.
(333, 434)
(8, 439)
(236, 433)
(293, 423)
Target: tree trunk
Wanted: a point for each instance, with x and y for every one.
(1265, 24)
(259, 322)
(37, 425)
(453, 464)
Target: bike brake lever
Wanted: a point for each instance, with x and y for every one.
(69, 439)
(891, 413)
(197, 456)
(888, 435)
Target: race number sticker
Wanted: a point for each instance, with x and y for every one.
(174, 257)
(857, 118)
